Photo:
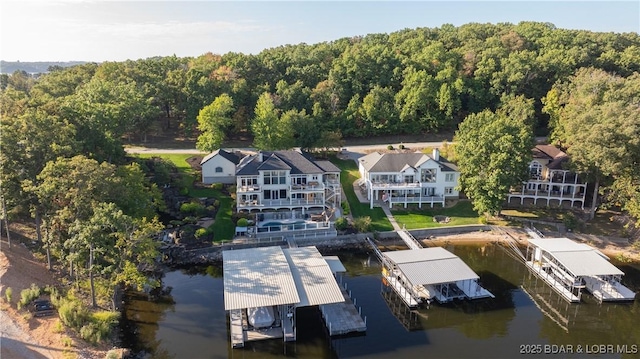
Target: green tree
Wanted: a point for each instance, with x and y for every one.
(493, 152)
(213, 122)
(596, 118)
(271, 132)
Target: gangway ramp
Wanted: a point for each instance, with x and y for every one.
(409, 239)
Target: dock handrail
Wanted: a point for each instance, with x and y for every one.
(409, 239)
(512, 245)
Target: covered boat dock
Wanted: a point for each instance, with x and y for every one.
(280, 280)
(568, 267)
(428, 274)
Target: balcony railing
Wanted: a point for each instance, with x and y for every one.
(380, 184)
(545, 194)
(309, 187)
(279, 202)
(251, 188)
(416, 199)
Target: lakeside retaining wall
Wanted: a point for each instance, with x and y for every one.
(177, 256)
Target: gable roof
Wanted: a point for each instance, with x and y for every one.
(397, 162)
(231, 157)
(555, 155)
(294, 161)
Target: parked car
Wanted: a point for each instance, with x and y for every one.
(42, 307)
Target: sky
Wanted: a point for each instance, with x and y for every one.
(105, 30)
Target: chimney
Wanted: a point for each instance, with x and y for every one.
(436, 154)
(260, 158)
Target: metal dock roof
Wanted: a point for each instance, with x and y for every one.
(257, 277)
(335, 264)
(313, 277)
(433, 265)
(578, 258)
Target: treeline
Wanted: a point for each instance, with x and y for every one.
(407, 82)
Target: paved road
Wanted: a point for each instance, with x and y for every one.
(360, 149)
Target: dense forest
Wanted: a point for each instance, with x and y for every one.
(63, 132)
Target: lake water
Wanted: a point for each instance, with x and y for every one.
(191, 321)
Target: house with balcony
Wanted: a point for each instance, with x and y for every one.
(408, 178)
(550, 182)
(275, 180)
(293, 195)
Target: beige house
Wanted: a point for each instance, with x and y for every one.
(550, 183)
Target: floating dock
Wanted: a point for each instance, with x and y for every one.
(280, 280)
(568, 267)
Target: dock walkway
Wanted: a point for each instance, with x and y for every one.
(343, 318)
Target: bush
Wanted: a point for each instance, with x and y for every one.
(341, 224)
(345, 207)
(192, 208)
(8, 294)
(200, 232)
(401, 147)
(73, 314)
(190, 220)
(28, 295)
(570, 221)
(362, 224)
(390, 147)
(217, 186)
(242, 222)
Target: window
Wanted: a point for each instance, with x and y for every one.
(450, 177)
(448, 191)
(428, 175)
(218, 169)
(248, 181)
(299, 180)
(428, 191)
(275, 177)
(408, 179)
(535, 169)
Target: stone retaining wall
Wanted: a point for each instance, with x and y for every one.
(213, 254)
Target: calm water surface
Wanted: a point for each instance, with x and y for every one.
(525, 316)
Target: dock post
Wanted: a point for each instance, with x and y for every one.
(354, 300)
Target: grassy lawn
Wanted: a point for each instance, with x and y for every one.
(349, 173)
(414, 218)
(223, 227)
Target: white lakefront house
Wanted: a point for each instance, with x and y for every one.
(408, 178)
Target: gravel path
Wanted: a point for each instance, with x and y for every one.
(16, 343)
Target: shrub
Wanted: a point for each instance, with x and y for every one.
(67, 342)
(8, 294)
(200, 232)
(192, 208)
(28, 295)
(99, 326)
(73, 314)
(362, 224)
(401, 147)
(570, 221)
(217, 186)
(190, 220)
(341, 224)
(345, 207)
(390, 147)
(242, 222)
